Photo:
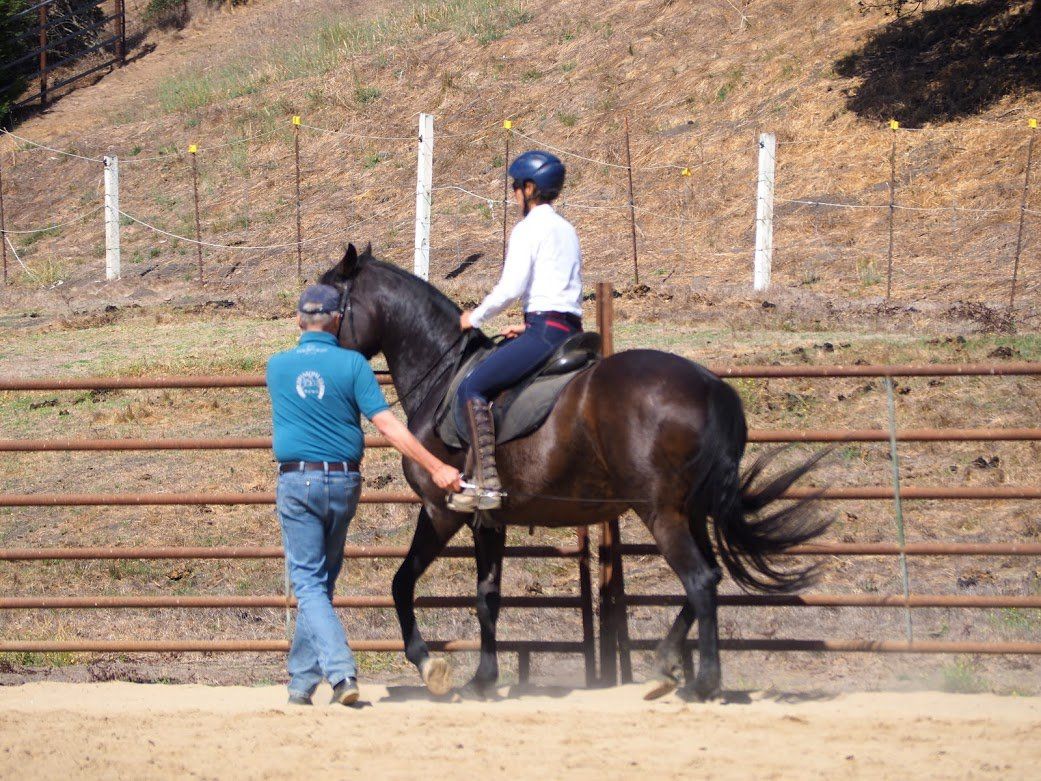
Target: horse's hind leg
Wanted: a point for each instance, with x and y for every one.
(683, 542)
(427, 542)
(489, 546)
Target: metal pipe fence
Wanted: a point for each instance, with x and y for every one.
(614, 642)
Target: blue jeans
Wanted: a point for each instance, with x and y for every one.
(315, 509)
(519, 357)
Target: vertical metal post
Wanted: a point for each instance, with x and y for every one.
(3, 221)
(121, 22)
(609, 529)
(897, 505)
(299, 222)
(193, 151)
(632, 201)
(893, 125)
(764, 213)
(1022, 215)
(424, 195)
(614, 633)
(586, 591)
(43, 55)
(113, 240)
(507, 125)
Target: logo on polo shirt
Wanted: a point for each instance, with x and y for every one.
(310, 384)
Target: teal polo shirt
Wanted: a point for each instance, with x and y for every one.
(318, 392)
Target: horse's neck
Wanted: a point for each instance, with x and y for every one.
(417, 362)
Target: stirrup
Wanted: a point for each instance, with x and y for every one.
(473, 497)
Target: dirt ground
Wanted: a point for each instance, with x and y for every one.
(122, 730)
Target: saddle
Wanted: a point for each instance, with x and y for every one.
(521, 409)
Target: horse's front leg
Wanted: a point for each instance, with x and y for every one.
(428, 541)
(489, 547)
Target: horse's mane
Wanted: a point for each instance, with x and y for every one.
(424, 305)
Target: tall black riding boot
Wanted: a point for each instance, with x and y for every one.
(485, 491)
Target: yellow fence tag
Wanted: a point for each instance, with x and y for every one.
(1033, 124)
(192, 149)
(296, 120)
(685, 172)
(894, 125)
(508, 124)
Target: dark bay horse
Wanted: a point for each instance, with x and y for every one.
(642, 430)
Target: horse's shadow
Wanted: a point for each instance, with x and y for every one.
(464, 694)
(522, 691)
(946, 63)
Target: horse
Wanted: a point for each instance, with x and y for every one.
(641, 429)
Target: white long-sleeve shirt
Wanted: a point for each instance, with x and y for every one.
(543, 268)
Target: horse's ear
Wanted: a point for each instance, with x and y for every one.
(349, 265)
(368, 250)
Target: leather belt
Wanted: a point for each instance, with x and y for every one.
(317, 466)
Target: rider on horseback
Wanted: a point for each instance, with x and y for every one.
(543, 270)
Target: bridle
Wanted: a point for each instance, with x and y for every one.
(346, 311)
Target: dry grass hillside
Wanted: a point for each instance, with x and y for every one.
(698, 80)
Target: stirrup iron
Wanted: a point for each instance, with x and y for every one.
(473, 497)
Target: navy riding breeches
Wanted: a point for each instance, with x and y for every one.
(519, 357)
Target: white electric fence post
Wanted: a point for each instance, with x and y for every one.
(764, 212)
(424, 183)
(112, 238)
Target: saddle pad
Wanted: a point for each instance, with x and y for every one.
(523, 415)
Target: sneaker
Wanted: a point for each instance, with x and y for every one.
(345, 692)
(296, 698)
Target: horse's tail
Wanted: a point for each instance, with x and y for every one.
(746, 538)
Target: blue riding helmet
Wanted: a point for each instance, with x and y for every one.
(542, 168)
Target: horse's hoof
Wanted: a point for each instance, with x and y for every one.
(437, 675)
(708, 693)
(660, 687)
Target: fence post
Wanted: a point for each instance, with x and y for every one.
(897, 504)
(299, 224)
(3, 220)
(507, 125)
(113, 240)
(764, 213)
(894, 126)
(43, 55)
(632, 202)
(424, 183)
(121, 22)
(586, 592)
(1022, 215)
(193, 150)
(614, 633)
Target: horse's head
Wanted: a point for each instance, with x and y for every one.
(360, 326)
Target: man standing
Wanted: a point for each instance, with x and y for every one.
(318, 392)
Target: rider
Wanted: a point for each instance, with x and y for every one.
(543, 269)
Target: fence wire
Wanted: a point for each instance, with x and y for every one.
(957, 205)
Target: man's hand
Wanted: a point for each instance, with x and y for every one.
(447, 478)
(464, 320)
(513, 331)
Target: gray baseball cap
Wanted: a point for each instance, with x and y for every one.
(319, 299)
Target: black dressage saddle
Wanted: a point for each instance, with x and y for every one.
(523, 408)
